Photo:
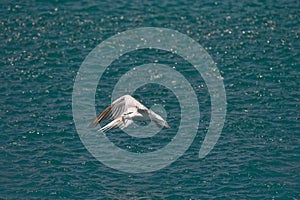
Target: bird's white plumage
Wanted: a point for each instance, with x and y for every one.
(124, 111)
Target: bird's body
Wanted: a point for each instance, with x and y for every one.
(124, 111)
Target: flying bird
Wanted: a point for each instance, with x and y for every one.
(124, 111)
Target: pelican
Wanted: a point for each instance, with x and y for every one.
(124, 111)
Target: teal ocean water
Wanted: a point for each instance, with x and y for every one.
(256, 47)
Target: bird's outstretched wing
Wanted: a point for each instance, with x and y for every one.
(117, 108)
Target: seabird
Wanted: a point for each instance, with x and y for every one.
(124, 111)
